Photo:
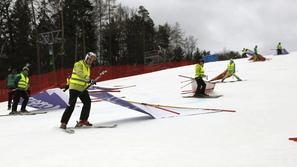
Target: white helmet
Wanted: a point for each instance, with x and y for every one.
(90, 55)
(26, 68)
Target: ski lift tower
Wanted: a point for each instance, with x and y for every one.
(50, 38)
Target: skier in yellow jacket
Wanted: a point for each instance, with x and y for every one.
(279, 48)
(78, 84)
(231, 71)
(199, 75)
(22, 90)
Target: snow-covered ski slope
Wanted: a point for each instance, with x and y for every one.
(256, 135)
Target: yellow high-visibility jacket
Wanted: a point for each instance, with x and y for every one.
(199, 72)
(23, 83)
(80, 76)
(231, 68)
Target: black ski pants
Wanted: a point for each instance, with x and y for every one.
(85, 99)
(279, 51)
(201, 85)
(10, 96)
(16, 98)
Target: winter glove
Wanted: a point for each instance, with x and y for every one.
(92, 82)
(66, 88)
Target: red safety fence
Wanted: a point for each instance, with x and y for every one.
(58, 78)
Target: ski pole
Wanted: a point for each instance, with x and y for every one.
(97, 78)
(186, 81)
(187, 84)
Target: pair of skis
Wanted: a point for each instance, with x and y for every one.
(204, 96)
(23, 114)
(71, 130)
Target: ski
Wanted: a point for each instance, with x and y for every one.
(69, 131)
(98, 91)
(110, 89)
(203, 96)
(95, 126)
(104, 126)
(122, 86)
(229, 81)
(189, 80)
(23, 114)
(37, 112)
(293, 138)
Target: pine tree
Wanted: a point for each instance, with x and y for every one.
(134, 41)
(6, 32)
(162, 40)
(121, 16)
(163, 35)
(140, 36)
(5, 37)
(79, 26)
(46, 23)
(22, 37)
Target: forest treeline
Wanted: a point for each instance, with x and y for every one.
(53, 34)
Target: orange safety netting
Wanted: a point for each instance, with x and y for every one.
(58, 78)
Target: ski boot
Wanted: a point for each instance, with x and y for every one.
(82, 123)
(63, 126)
(24, 111)
(13, 113)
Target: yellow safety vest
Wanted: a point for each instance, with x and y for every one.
(199, 71)
(23, 83)
(80, 74)
(231, 68)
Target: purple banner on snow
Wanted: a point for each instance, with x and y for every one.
(115, 100)
(50, 99)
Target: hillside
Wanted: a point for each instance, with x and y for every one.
(256, 135)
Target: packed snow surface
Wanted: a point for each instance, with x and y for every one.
(256, 135)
